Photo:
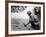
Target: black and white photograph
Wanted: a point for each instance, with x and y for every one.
(25, 18)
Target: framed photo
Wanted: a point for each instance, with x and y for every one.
(24, 18)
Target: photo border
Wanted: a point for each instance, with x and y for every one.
(25, 2)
